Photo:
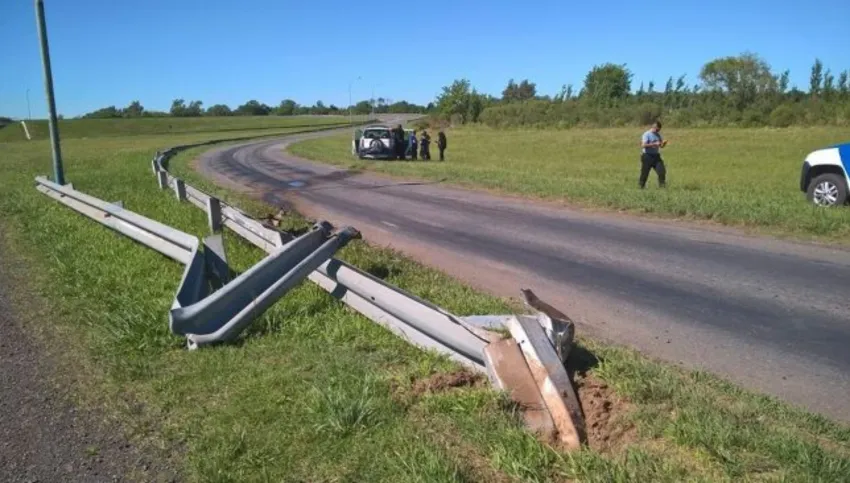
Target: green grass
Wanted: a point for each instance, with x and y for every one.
(97, 128)
(740, 177)
(315, 392)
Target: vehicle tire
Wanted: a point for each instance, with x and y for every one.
(827, 190)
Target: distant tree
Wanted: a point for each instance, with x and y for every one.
(287, 107)
(783, 81)
(668, 88)
(523, 91)
(650, 88)
(195, 109)
(134, 109)
(178, 108)
(607, 83)
(742, 78)
(816, 78)
(455, 100)
(253, 108)
(103, 113)
(680, 83)
(842, 84)
(219, 110)
(828, 85)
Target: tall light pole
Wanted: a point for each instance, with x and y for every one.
(350, 121)
(58, 173)
(29, 111)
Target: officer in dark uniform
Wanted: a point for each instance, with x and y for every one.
(400, 145)
(441, 144)
(425, 146)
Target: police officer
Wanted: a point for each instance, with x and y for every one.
(441, 143)
(412, 145)
(425, 146)
(650, 144)
(400, 145)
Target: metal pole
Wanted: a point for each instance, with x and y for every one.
(350, 120)
(29, 111)
(58, 174)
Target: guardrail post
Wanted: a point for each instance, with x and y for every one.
(180, 189)
(162, 177)
(214, 214)
(153, 166)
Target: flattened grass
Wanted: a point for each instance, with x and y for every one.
(315, 392)
(738, 177)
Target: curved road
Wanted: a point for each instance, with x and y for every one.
(771, 315)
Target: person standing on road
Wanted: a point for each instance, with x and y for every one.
(441, 144)
(651, 143)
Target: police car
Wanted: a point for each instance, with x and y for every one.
(826, 175)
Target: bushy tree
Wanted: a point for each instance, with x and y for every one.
(523, 91)
(607, 83)
(219, 110)
(253, 108)
(287, 107)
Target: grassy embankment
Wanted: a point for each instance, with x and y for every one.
(314, 392)
(740, 177)
(96, 128)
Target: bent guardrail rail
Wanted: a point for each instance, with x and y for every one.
(206, 317)
(223, 315)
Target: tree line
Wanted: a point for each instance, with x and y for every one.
(287, 107)
(732, 91)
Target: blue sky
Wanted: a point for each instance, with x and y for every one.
(110, 52)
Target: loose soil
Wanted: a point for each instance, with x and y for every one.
(605, 415)
(444, 381)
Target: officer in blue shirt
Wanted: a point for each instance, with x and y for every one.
(651, 143)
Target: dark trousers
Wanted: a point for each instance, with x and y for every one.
(411, 151)
(650, 161)
(400, 148)
(425, 152)
(442, 150)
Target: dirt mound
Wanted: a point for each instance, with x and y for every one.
(444, 381)
(604, 415)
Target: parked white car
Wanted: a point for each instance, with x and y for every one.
(824, 177)
(376, 142)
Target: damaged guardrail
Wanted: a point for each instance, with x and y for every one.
(209, 307)
(530, 364)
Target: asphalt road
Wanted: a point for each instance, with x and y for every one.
(770, 315)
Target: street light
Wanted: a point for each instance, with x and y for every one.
(29, 111)
(58, 172)
(350, 121)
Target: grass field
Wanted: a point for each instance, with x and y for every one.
(96, 128)
(314, 392)
(738, 177)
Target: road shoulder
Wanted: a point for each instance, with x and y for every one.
(44, 435)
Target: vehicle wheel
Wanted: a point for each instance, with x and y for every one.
(827, 190)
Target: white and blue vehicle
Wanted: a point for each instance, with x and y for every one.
(826, 175)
